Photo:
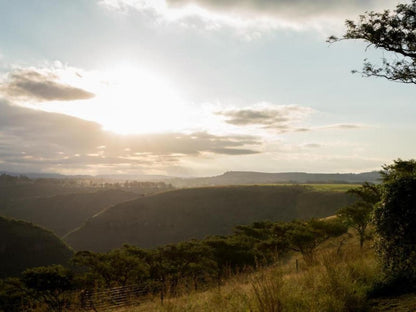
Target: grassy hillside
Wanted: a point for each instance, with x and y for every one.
(64, 213)
(25, 245)
(340, 281)
(195, 213)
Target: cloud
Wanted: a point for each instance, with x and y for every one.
(312, 145)
(341, 126)
(280, 118)
(38, 140)
(279, 7)
(259, 14)
(40, 85)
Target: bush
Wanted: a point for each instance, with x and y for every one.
(395, 221)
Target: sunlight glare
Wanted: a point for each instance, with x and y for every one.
(138, 101)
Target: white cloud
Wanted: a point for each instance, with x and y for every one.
(252, 14)
(279, 118)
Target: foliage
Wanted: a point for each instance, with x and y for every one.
(185, 214)
(24, 245)
(118, 267)
(305, 237)
(48, 285)
(359, 214)
(400, 168)
(390, 31)
(395, 221)
(13, 295)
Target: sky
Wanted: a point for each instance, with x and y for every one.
(194, 88)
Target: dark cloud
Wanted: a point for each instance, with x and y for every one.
(280, 118)
(40, 86)
(35, 140)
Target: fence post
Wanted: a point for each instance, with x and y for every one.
(162, 293)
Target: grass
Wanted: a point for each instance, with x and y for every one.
(338, 282)
(342, 188)
(332, 187)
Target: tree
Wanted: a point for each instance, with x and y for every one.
(118, 267)
(358, 215)
(394, 32)
(49, 284)
(306, 237)
(399, 169)
(395, 221)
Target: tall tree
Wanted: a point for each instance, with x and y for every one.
(392, 31)
(395, 221)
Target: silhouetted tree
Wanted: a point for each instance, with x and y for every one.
(359, 214)
(305, 237)
(118, 267)
(390, 31)
(395, 221)
(49, 284)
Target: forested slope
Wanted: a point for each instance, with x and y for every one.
(195, 213)
(24, 245)
(64, 213)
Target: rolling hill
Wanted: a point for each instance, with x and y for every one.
(195, 213)
(24, 245)
(64, 213)
(249, 177)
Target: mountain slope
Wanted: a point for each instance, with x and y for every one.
(195, 213)
(64, 213)
(24, 245)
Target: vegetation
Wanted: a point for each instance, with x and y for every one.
(24, 245)
(359, 214)
(62, 205)
(167, 270)
(64, 213)
(250, 178)
(301, 265)
(395, 222)
(392, 32)
(337, 282)
(180, 215)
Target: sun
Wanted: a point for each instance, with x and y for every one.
(135, 100)
(129, 99)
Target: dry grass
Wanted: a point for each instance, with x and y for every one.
(338, 282)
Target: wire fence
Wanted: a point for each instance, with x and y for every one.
(110, 299)
(89, 300)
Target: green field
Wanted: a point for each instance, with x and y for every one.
(332, 187)
(335, 187)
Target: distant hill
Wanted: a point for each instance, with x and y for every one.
(24, 245)
(228, 178)
(10, 193)
(247, 177)
(195, 213)
(64, 213)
